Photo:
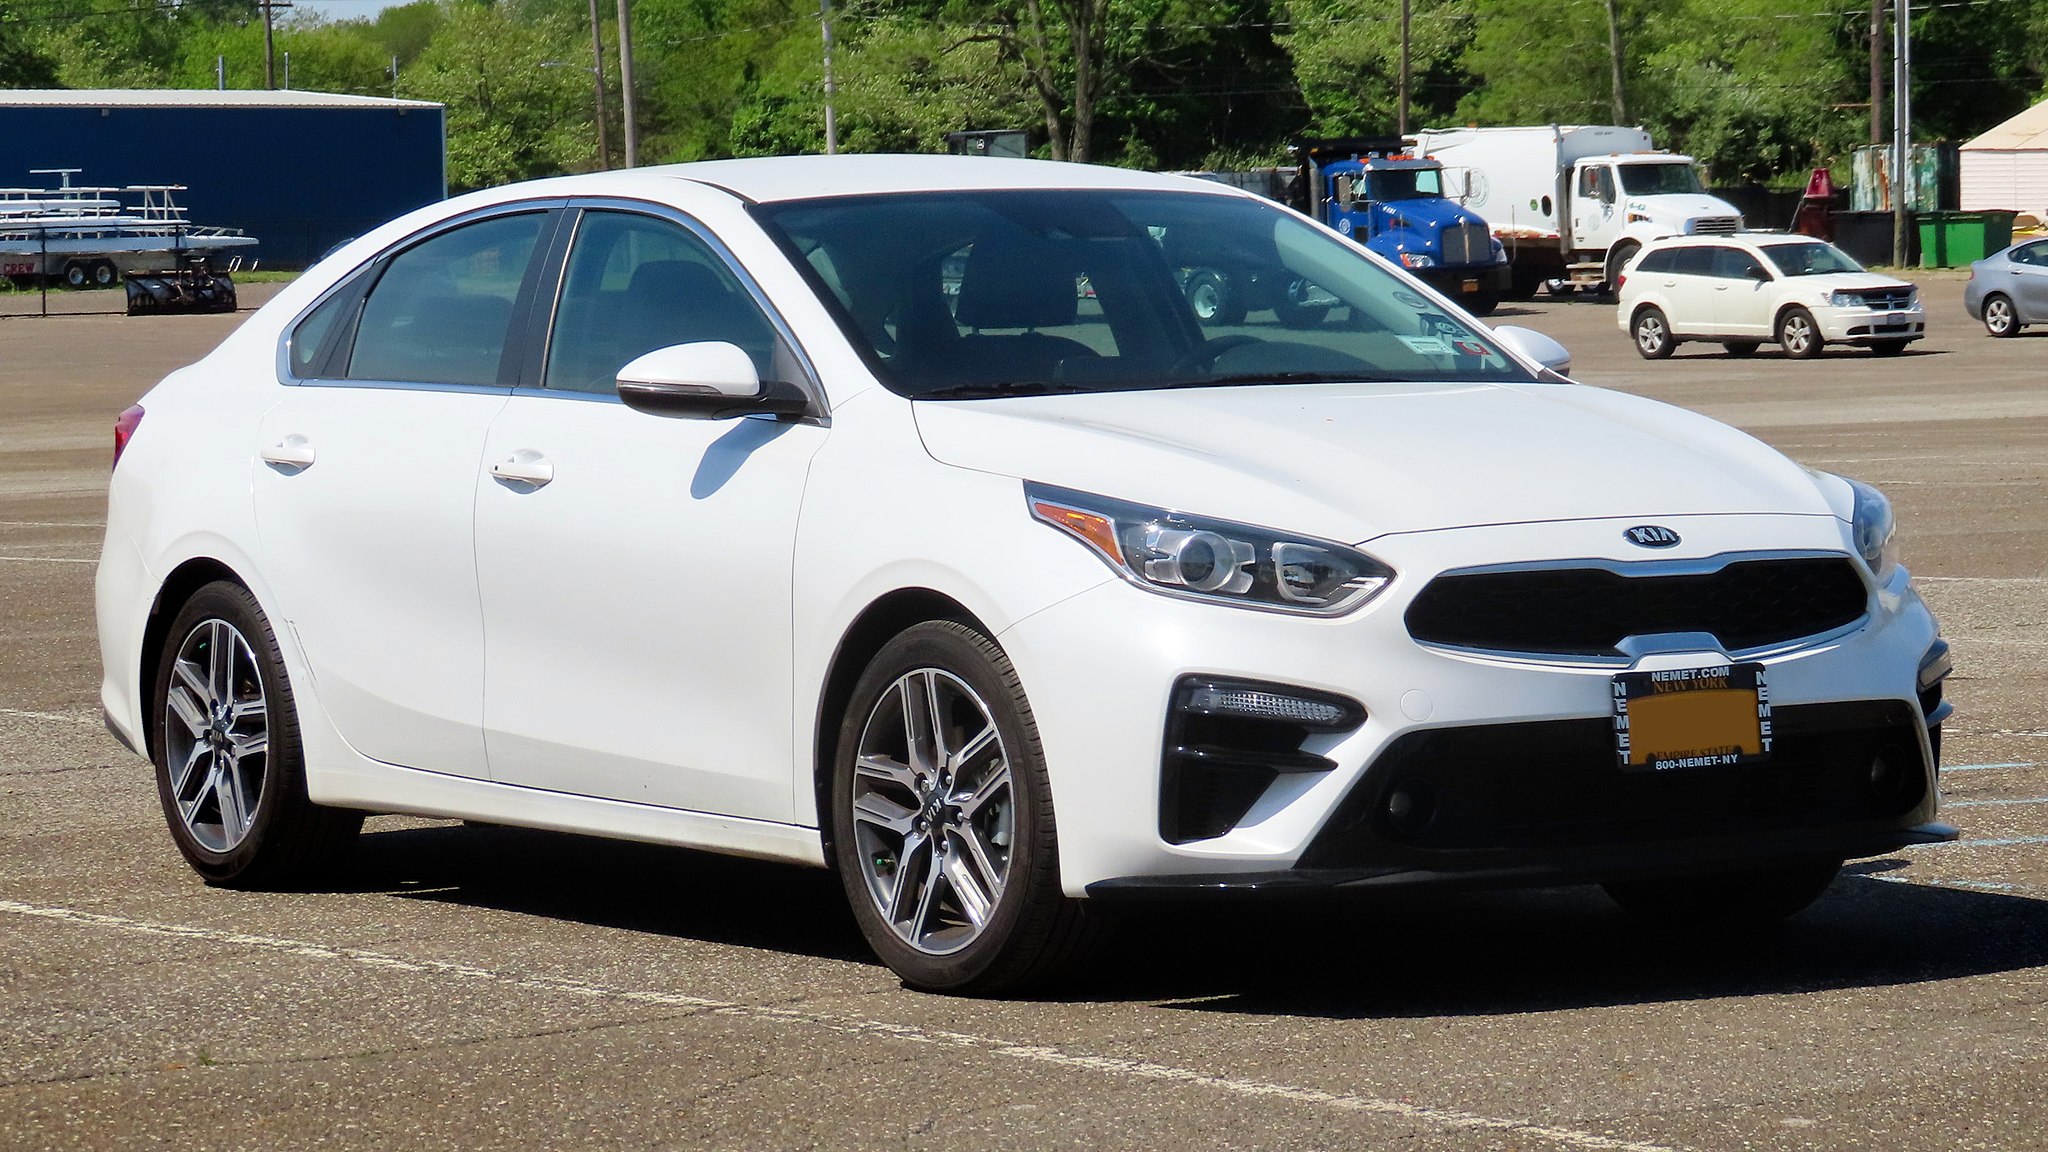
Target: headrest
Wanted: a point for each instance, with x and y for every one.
(1016, 281)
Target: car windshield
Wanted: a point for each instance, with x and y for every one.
(960, 295)
(1405, 184)
(1658, 179)
(1810, 259)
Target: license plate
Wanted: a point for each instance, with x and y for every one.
(1679, 718)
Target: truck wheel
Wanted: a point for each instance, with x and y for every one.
(1481, 304)
(1522, 285)
(1617, 262)
(76, 275)
(104, 274)
(1210, 295)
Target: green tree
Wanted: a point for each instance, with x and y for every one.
(1347, 59)
(508, 117)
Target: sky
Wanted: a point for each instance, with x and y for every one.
(345, 9)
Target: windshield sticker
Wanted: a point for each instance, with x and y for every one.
(1471, 348)
(1426, 345)
(1412, 300)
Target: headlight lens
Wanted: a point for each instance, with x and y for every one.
(1844, 300)
(1417, 260)
(1875, 530)
(1220, 561)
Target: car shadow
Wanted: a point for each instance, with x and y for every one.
(1387, 956)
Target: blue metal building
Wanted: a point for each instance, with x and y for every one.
(300, 171)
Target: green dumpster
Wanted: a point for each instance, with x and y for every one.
(1953, 239)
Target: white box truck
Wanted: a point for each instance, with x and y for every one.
(1573, 203)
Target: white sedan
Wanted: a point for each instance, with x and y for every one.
(896, 515)
(1751, 289)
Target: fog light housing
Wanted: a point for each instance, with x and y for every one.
(1226, 742)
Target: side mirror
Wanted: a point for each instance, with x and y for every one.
(1535, 346)
(710, 380)
(1760, 274)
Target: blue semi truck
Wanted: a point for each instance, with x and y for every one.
(1390, 202)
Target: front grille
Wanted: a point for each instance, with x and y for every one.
(1590, 611)
(1555, 784)
(1885, 297)
(1467, 244)
(1716, 225)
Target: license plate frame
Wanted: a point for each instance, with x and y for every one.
(1699, 717)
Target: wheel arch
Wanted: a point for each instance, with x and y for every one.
(880, 622)
(1778, 317)
(178, 587)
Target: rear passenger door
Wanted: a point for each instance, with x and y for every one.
(1691, 291)
(2030, 282)
(365, 482)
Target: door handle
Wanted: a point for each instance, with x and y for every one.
(293, 452)
(524, 467)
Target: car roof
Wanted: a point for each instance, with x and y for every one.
(777, 178)
(1756, 239)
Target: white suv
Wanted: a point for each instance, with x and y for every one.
(1746, 290)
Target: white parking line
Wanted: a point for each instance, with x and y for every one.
(46, 560)
(58, 717)
(47, 524)
(1948, 768)
(1994, 803)
(1445, 1118)
(1996, 842)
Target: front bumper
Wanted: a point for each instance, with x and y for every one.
(1864, 326)
(1489, 280)
(1100, 668)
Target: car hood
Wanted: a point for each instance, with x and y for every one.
(1682, 206)
(1351, 462)
(1845, 281)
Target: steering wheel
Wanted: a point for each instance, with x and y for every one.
(1203, 356)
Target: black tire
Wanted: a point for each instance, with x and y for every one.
(1522, 285)
(1798, 335)
(1617, 263)
(1213, 299)
(288, 839)
(104, 274)
(1652, 334)
(77, 274)
(1741, 348)
(1481, 304)
(1889, 347)
(1738, 896)
(2000, 318)
(1031, 932)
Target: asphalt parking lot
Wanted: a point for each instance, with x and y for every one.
(474, 988)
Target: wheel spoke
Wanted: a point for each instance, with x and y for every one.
(189, 712)
(886, 814)
(970, 837)
(188, 674)
(973, 748)
(998, 778)
(242, 710)
(884, 769)
(209, 785)
(254, 744)
(927, 900)
(181, 774)
(937, 719)
(233, 811)
(220, 672)
(916, 848)
(975, 903)
(917, 731)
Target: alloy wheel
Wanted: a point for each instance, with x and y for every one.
(933, 810)
(216, 735)
(1998, 317)
(1796, 335)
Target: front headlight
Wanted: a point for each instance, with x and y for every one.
(1219, 561)
(1844, 300)
(1875, 530)
(1417, 260)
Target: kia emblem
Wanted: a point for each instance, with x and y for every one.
(1651, 536)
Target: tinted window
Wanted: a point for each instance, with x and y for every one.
(1810, 258)
(2031, 253)
(1693, 261)
(442, 310)
(1659, 179)
(1735, 264)
(317, 333)
(636, 283)
(968, 294)
(1662, 260)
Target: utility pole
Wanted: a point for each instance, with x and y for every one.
(1877, 71)
(629, 104)
(269, 41)
(1902, 126)
(1614, 55)
(1401, 116)
(604, 144)
(831, 117)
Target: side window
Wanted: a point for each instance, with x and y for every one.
(2034, 254)
(1693, 261)
(1597, 182)
(1735, 264)
(1662, 260)
(636, 283)
(314, 339)
(442, 311)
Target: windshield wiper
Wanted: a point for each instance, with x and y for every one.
(1001, 388)
(1296, 378)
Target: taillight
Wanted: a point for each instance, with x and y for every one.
(124, 429)
(1620, 280)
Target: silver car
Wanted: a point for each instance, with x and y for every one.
(2009, 291)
